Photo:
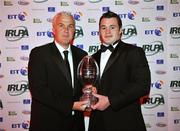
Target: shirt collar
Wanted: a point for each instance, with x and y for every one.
(114, 44)
(61, 49)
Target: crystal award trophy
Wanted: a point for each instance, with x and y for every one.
(88, 73)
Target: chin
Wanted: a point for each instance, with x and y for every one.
(108, 42)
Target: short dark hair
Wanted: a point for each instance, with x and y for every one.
(110, 14)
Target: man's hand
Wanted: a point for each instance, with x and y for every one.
(79, 105)
(102, 104)
(94, 90)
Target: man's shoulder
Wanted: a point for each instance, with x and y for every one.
(132, 46)
(43, 46)
(42, 49)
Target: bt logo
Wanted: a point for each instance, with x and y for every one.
(21, 16)
(158, 31)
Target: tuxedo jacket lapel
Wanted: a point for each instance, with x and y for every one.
(75, 65)
(115, 54)
(57, 58)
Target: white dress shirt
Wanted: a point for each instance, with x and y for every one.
(70, 59)
(104, 58)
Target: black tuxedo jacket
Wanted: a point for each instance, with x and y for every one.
(125, 79)
(52, 93)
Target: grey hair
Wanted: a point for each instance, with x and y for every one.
(66, 13)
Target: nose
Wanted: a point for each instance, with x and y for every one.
(66, 29)
(108, 30)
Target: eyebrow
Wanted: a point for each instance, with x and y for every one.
(64, 24)
(108, 26)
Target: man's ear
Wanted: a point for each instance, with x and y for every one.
(53, 30)
(120, 32)
(100, 37)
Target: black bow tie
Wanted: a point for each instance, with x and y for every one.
(104, 48)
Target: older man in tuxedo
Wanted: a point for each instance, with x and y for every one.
(53, 81)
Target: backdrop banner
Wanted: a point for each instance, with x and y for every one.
(153, 25)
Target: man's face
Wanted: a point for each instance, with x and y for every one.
(64, 29)
(109, 30)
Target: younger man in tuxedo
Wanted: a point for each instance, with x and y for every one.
(124, 79)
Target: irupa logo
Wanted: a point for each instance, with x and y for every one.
(128, 31)
(153, 48)
(153, 101)
(16, 33)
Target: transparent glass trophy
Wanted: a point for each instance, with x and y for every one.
(88, 74)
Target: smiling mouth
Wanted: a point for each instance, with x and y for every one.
(65, 35)
(108, 36)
